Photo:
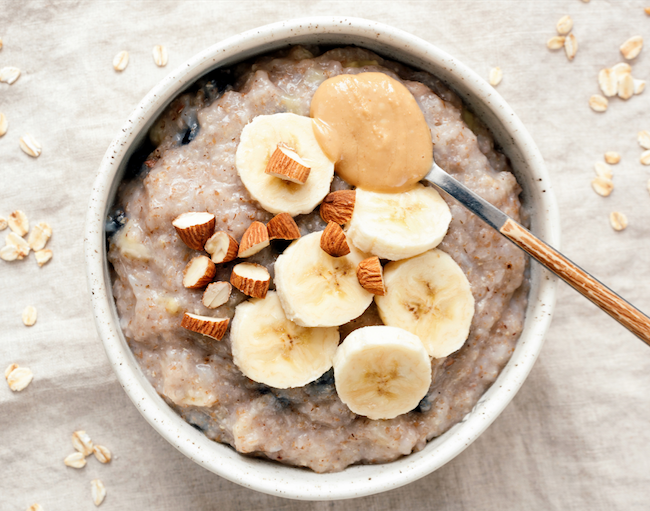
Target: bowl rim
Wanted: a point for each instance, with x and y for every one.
(271, 477)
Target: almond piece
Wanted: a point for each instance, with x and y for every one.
(371, 277)
(205, 325)
(286, 164)
(338, 206)
(333, 240)
(43, 256)
(632, 47)
(251, 279)
(39, 236)
(18, 222)
(199, 272)
(254, 239)
(222, 247)
(216, 294)
(283, 227)
(194, 228)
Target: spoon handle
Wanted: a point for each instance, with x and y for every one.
(622, 311)
(618, 308)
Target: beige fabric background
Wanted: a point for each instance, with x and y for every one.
(575, 437)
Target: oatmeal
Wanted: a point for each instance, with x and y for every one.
(191, 168)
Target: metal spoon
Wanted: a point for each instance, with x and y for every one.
(622, 311)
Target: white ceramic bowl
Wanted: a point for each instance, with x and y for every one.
(528, 166)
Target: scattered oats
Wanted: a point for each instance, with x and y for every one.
(160, 55)
(603, 170)
(3, 223)
(35, 507)
(639, 86)
(8, 253)
(19, 244)
(612, 157)
(82, 442)
(43, 256)
(19, 377)
(598, 103)
(30, 146)
(120, 61)
(644, 139)
(29, 316)
(9, 74)
(626, 87)
(3, 124)
(632, 47)
(18, 222)
(602, 186)
(98, 491)
(618, 220)
(608, 82)
(102, 454)
(645, 157)
(564, 25)
(75, 460)
(9, 369)
(555, 43)
(570, 46)
(496, 75)
(39, 236)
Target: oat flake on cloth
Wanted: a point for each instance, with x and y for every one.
(575, 437)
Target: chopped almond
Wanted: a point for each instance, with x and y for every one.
(222, 247)
(210, 327)
(333, 240)
(216, 294)
(251, 279)
(286, 164)
(194, 228)
(338, 206)
(370, 275)
(199, 272)
(254, 239)
(283, 227)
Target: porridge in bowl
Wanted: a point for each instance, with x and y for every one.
(270, 377)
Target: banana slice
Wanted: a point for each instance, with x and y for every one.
(270, 349)
(317, 289)
(430, 296)
(398, 225)
(259, 140)
(381, 371)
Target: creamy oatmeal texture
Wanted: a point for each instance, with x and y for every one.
(193, 169)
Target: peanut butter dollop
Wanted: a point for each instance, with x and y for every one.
(371, 127)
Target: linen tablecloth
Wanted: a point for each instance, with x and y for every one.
(575, 437)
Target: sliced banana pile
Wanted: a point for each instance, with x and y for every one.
(317, 289)
(429, 296)
(288, 140)
(381, 371)
(269, 348)
(289, 337)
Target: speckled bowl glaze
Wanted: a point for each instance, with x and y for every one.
(528, 166)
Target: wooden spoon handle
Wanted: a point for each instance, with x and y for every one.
(623, 312)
